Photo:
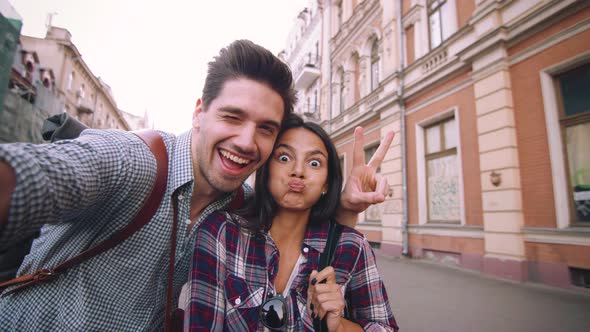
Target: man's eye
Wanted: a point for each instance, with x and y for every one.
(268, 130)
(231, 117)
(315, 163)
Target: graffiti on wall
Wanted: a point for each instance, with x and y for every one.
(443, 189)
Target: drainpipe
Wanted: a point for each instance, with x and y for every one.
(329, 57)
(400, 96)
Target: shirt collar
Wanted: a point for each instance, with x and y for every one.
(182, 163)
(316, 236)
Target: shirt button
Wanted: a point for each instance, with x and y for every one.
(188, 221)
(238, 301)
(180, 197)
(306, 250)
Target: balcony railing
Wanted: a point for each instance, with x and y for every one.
(309, 111)
(307, 71)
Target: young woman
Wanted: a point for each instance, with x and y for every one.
(259, 272)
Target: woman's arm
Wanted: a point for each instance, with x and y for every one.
(207, 302)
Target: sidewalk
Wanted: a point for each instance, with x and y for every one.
(427, 296)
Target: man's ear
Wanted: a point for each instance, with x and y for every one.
(197, 114)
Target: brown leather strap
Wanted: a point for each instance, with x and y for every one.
(149, 208)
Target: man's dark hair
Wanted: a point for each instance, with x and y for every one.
(264, 208)
(244, 59)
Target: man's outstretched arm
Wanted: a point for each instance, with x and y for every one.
(364, 186)
(7, 185)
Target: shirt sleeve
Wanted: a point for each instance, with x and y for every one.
(367, 295)
(207, 275)
(67, 180)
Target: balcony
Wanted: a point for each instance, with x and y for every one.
(309, 112)
(85, 107)
(306, 72)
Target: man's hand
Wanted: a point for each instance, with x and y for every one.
(364, 186)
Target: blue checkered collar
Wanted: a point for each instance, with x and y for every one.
(181, 170)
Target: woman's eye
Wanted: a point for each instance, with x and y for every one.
(314, 163)
(283, 158)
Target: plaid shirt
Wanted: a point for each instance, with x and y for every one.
(232, 268)
(81, 192)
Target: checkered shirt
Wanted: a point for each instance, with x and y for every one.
(232, 268)
(81, 192)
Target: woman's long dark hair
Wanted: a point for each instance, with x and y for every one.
(264, 207)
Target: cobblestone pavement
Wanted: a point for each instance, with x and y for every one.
(427, 296)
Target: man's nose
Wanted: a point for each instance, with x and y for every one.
(245, 140)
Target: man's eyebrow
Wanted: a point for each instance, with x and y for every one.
(240, 112)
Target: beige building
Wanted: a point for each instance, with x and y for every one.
(82, 95)
(303, 55)
(490, 167)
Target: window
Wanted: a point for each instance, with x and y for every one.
(369, 152)
(375, 65)
(339, 15)
(574, 119)
(440, 21)
(410, 49)
(357, 70)
(317, 52)
(315, 101)
(81, 94)
(442, 178)
(70, 81)
(373, 212)
(342, 83)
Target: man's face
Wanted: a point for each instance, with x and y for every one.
(235, 136)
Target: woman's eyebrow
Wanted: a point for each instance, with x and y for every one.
(290, 148)
(314, 152)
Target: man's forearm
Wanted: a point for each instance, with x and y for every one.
(346, 217)
(7, 185)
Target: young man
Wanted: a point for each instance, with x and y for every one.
(80, 192)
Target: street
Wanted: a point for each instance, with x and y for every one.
(426, 296)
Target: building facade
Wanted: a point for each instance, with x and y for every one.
(303, 55)
(81, 94)
(490, 167)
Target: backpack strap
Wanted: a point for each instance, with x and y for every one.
(326, 259)
(156, 144)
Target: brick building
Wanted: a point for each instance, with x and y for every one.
(490, 168)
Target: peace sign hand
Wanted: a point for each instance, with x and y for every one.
(364, 186)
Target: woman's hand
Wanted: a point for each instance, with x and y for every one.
(324, 298)
(364, 186)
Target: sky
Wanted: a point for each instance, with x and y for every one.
(154, 54)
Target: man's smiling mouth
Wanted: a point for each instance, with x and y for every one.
(234, 158)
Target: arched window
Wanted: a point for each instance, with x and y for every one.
(375, 65)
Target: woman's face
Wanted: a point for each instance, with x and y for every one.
(298, 170)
